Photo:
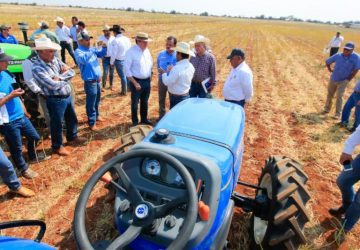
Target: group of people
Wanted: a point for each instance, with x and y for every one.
(346, 66)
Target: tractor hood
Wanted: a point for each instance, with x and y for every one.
(19, 53)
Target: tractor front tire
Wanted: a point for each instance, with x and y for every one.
(284, 181)
(135, 135)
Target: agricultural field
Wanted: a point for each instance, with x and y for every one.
(290, 83)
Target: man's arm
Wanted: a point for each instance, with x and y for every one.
(129, 76)
(350, 144)
(352, 75)
(171, 77)
(113, 51)
(330, 61)
(212, 73)
(43, 79)
(102, 52)
(15, 93)
(247, 86)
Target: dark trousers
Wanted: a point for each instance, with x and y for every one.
(175, 99)
(13, 132)
(66, 46)
(197, 90)
(75, 45)
(241, 102)
(334, 50)
(143, 96)
(162, 91)
(61, 109)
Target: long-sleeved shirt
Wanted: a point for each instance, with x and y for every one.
(138, 63)
(9, 39)
(344, 66)
(107, 41)
(165, 59)
(205, 67)
(45, 72)
(239, 84)
(63, 34)
(28, 75)
(352, 142)
(336, 42)
(73, 33)
(118, 48)
(87, 60)
(179, 78)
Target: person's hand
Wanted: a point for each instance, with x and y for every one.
(27, 114)
(330, 70)
(17, 92)
(358, 103)
(169, 68)
(56, 78)
(112, 66)
(64, 69)
(161, 71)
(137, 86)
(345, 157)
(211, 88)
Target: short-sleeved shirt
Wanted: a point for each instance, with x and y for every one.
(13, 106)
(165, 59)
(10, 39)
(344, 66)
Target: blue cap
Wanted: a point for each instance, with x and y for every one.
(349, 46)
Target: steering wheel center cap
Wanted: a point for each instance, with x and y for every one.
(142, 211)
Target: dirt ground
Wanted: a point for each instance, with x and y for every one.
(290, 82)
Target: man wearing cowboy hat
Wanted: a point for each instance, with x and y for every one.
(205, 67)
(53, 77)
(118, 48)
(238, 87)
(14, 123)
(63, 33)
(5, 36)
(178, 79)
(138, 70)
(106, 38)
(44, 29)
(86, 58)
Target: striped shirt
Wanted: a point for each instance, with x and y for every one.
(45, 72)
(205, 67)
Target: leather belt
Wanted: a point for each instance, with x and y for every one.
(186, 94)
(58, 96)
(90, 81)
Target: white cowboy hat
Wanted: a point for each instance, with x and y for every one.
(199, 39)
(184, 47)
(59, 19)
(106, 27)
(45, 44)
(143, 36)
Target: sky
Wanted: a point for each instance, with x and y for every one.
(323, 10)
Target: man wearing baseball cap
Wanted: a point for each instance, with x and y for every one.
(106, 38)
(238, 87)
(87, 60)
(346, 66)
(5, 36)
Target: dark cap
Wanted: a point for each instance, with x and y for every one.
(349, 46)
(236, 52)
(4, 57)
(83, 35)
(117, 28)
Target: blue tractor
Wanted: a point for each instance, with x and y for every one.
(175, 186)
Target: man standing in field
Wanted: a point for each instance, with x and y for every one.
(63, 33)
(178, 79)
(118, 48)
(335, 44)
(106, 38)
(138, 70)
(44, 29)
(74, 31)
(165, 59)
(238, 87)
(346, 66)
(205, 67)
(87, 59)
(5, 36)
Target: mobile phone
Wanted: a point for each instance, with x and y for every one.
(347, 165)
(15, 85)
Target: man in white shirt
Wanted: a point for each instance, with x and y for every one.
(335, 43)
(178, 78)
(106, 38)
(238, 87)
(346, 180)
(63, 33)
(138, 70)
(118, 48)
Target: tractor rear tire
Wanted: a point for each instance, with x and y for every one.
(135, 135)
(284, 180)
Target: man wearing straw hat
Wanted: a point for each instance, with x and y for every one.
(63, 33)
(106, 38)
(178, 79)
(205, 68)
(53, 77)
(138, 70)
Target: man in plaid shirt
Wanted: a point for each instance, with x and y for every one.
(205, 67)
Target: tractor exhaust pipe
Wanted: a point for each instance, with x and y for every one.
(24, 27)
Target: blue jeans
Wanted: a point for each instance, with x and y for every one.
(93, 95)
(106, 69)
(143, 96)
(351, 201)
(120, 69)
(241, 102)
(61, 109)
(13, 132)
(349, 105)
(7, 172)
(197, 90)
(175, 99)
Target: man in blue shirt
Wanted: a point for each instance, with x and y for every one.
(165, 59)
(346, 66)
(353, 101)
(5, 36)
(14, 123)
(87, 60)
(74, 31)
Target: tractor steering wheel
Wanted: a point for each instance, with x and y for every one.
(140, 219)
